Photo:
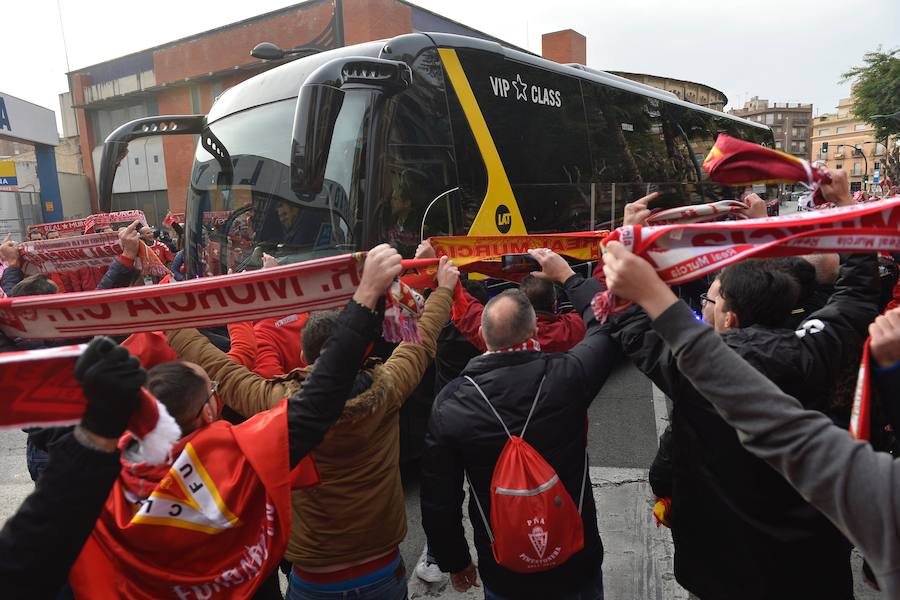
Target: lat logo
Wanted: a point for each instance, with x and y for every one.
(525, 92)
(503, 218)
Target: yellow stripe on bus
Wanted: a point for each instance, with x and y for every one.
(498, 189)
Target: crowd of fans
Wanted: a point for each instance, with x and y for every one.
(764, 489)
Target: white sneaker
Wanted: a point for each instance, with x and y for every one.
(429, 571)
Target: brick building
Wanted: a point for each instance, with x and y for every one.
(790, 123)
(185, 77)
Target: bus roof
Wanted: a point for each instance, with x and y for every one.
(449, 40)
(284, 81)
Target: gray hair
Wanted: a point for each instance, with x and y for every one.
(511, 326)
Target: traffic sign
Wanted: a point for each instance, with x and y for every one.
(8, 180)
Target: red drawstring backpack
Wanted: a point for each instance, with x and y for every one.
(535, 525)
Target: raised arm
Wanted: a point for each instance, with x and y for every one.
(240, 388)
(319, 403)
(402, 371)
(121, 272)
(70, 494)
(594, 356)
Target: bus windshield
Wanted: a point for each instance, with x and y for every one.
(233, 218)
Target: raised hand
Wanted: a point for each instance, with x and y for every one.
(553, 266)
(130, 240)
(636, 212)
(381, 267)
(447, 274)
(111, 379)
(630, 277)
(9, 252)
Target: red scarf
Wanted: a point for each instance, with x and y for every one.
(526, 346)
(215, 525)
(735, 162)
(860, 413)
(699, 213)
(681, 253)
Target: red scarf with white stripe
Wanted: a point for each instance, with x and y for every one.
(527, 345)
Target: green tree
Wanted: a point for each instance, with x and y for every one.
(876, 91)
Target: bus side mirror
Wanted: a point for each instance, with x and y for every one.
(319, 105)
(115, 147)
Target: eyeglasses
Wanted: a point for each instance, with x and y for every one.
(705, 299)
(213, 388)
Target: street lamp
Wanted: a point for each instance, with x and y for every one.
(857, 151)
(894, 116)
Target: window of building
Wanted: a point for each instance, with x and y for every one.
(778, 144)
(842, 129)
(860, 127)
(879, 148)
(770, 118)
(857, 168)
(137, 160)
(877, 166)
(802, 145)
(824, 132)
(195, 99)
(156, 159)
(779, 116)
(839, 149)
(839, 166)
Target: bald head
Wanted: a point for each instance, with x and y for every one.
(827, 267)
(508, 319)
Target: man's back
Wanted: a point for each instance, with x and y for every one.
(465, 436)
(356, 512)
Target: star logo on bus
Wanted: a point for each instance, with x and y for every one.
(520, 86)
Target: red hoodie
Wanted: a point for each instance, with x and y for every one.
(278, 345)
(556, 333)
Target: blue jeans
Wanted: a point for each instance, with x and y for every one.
(592, 590)
(390, 587)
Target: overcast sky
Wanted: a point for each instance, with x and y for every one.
(783, 50)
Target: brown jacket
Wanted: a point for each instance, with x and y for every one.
(358, 509)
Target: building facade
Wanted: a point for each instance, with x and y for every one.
(689, 91)
(185, 77)
(842, 141)
(790, 123)
(568, 46)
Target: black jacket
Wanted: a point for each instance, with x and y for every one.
(453, 353)
(740, 530)
(465, 436)
(41, 541)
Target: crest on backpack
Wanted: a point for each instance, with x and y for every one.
(538, 539)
